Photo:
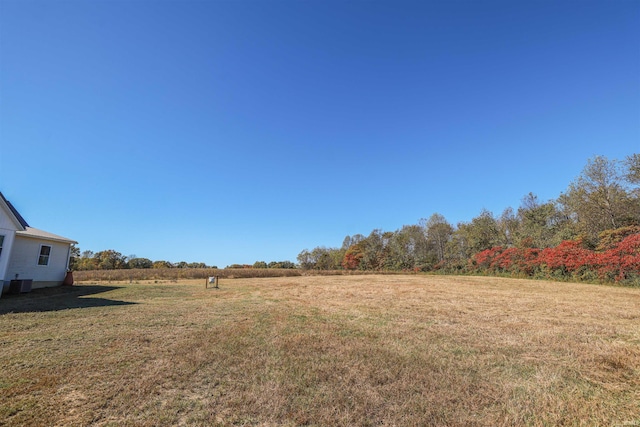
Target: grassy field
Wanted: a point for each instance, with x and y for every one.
(131, 275)
(337, 350)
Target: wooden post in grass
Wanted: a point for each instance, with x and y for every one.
(212, 280)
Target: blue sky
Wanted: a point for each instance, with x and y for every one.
(235, 131)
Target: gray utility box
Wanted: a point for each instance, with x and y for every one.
(20, 286)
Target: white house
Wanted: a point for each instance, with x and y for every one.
(27, 253)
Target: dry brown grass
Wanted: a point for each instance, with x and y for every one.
(181, 274)
(175, 274)
(336, 350)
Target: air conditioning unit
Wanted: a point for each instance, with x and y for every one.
(20, 286)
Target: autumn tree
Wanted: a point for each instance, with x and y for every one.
(608, 239)
(352, 257)
(162, 264)
(110, 260)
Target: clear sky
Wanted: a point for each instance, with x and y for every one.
(236, 131)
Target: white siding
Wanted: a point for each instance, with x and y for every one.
(6, 223)
(24, 260)
(8, 230)
(5, 256)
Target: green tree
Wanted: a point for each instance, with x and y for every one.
(305, 260)
(456, 250)
(86, 261)
(140, 263)
(439, 233)
(598, 200)
(541, 224)
(74, 256)
(375, 250)
(321, 258)
(508, 227)
(198, 265)
(480, 234)
(407, 249)
(349, 241)
(632, 173)
(260, 264)
(281, 264)
(632, 176)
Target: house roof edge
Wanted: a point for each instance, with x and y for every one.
(14, 212)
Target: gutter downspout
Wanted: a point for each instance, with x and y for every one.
(68, 277)
(68, 258)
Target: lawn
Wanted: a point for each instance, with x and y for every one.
(335, 350)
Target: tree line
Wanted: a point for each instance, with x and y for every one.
(113, 260)
(593, 227)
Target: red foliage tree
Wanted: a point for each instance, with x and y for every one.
(352, 258)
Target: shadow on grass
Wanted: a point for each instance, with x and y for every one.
(59, 298)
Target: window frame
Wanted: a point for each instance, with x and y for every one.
(41, 255)
(2, 236)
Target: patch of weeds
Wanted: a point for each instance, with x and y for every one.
(301, 317)
(9, 410)
(351, 333)
(12, 409)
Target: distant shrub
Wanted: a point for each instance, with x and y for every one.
(570, 260)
